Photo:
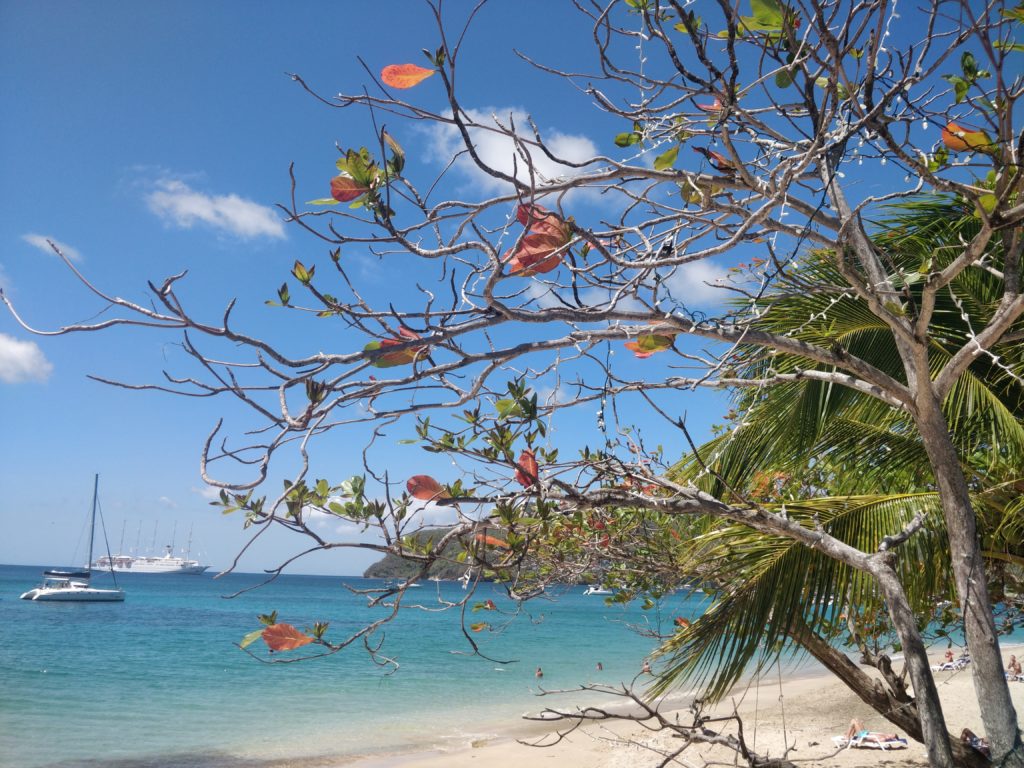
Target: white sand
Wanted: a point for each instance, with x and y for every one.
(809, 711)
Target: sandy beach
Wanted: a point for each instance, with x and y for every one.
(802, 712)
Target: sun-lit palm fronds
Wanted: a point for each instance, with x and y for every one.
(768, 580)
(850, 462)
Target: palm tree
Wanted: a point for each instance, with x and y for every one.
(845, 461)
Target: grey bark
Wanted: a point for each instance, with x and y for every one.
(993, 693)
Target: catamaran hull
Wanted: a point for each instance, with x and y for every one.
(87, 595)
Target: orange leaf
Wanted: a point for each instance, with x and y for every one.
(479, 626)
(491, 541)
(426, 488)
(345, 189)
(526, 469)
(647, 344)
(285, 637)
(540, 251)
(681, 622)
(961, 139)
(404, 75)
(381, 356)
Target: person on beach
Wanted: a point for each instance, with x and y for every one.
(1013, 668)
(949, 656)
(646, 668)
(858, 731)
(600, 667)
(974, 741)
(539, 673)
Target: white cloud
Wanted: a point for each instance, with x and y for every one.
(698, 283)
(208, 492)
(177, 203)
(498, 151)
(167, 502)
(40, 242)
(22, 361)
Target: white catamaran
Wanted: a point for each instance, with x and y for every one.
(74, 585)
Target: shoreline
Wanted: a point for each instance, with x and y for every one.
(803, 711)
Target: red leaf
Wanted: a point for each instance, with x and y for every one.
(489, 605)
(404, 75)
(285, 637)
(526, 469)
(681, 622)
(426, 488)
(717, 159)
(345, 189)
(715, 106)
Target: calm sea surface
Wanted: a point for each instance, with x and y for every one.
(156, 681)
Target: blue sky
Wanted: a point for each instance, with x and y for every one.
(148, 138)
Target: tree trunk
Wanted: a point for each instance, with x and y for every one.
(900, 710)
(990, 686)
(933, 724)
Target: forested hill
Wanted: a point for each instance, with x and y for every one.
(394, 567)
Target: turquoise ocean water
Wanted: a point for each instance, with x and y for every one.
(156, 681)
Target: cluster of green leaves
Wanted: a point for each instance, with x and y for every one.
(361, 178)
(969, 76)
(493, 436)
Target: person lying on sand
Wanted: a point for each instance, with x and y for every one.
(857, 731)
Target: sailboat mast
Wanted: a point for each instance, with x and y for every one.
(92, 520)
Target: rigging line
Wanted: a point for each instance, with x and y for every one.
(782, 706)
(106, 542)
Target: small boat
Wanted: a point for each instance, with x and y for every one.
(74, 586)
(595, 589)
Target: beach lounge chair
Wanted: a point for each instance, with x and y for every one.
(869, 740)
(952, 666)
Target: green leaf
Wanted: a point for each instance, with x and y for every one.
(960, 86)
(627, 139)
(1016, 14)
(969, 65)
(283, 294)
(408, 441)
(508, 407)
(767, 13)
(1008, 45)
(322, 201)
(251, 638)
(667, 159)
(302, 274)
(783, 78)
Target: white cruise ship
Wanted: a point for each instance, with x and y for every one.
(168, 563)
